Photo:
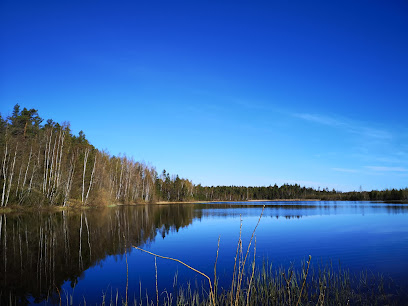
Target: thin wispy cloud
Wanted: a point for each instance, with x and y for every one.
(347, 125)
(391, 160)
(386, 169)
(388, 156)
(345, 170)
(319, 119)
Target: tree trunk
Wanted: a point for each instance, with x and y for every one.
(83, 176)
(90, 181)
(11, 177)
(4, 176)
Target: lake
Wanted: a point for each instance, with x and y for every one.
(84, 255)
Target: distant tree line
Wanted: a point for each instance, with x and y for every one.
(45, 164)
(295, 191)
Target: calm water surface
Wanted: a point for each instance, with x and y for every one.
(82, 255)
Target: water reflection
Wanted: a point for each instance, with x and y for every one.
(298, 209)
(40, 251)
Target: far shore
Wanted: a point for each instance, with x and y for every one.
(244, 201)
(75, 206)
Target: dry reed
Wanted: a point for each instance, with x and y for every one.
(186, 265)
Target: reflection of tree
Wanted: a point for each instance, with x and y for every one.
(396, 209)
(40, 251)
(286, 210)
(291, 210)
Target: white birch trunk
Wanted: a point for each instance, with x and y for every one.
(4, 176)
(26, 172)
(47, 162)
(120, 183)
(83, 175)
(51, 171)
(19, 178)
(69, 179)
(90, 181)
(60, 158)
(11, 177)
(34, 170)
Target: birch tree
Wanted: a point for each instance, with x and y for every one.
(90, 181)
(83, 175)
(11, 177)
(4, 175)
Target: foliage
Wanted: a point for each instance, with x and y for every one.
(48, 165)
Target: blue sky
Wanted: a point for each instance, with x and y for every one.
(222, 92)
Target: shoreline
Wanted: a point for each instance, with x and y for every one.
(56, 208)
(244, 201)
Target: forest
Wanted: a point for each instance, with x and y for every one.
(44, 164)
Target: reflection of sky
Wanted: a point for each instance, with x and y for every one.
(360, 237)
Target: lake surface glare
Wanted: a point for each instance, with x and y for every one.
(81, 255)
